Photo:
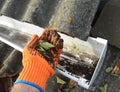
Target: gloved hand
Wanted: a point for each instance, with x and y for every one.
(38, 67)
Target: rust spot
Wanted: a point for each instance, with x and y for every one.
(69, 20)
(54, 25)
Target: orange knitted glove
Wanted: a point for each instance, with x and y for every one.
(36, 67)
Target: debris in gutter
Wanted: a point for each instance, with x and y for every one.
(79, 68)
(45, 49)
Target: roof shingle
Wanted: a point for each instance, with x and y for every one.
(73, 17)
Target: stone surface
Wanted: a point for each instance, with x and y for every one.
(74, 17)
(108, 24)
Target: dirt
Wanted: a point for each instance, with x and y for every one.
(79, 69)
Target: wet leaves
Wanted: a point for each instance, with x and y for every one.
(44, 49)
(45, 45)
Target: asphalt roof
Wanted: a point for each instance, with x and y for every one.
(73, 17)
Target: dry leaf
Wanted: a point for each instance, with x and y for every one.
(116, 69)
(72, 84)
(60, 81)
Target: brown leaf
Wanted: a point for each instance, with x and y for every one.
(72, 84)
(116, 69)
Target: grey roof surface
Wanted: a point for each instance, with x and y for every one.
(73, 17)
(109, 22)
(46, 13)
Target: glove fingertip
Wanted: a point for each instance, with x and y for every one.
(34, 36)
(33, 41)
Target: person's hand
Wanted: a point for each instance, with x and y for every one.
(39, 60)
(48, 46)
